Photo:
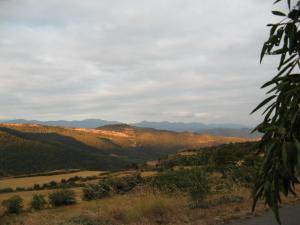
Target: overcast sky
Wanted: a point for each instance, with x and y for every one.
(132, 60)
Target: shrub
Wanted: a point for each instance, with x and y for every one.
(90, 192)
(20, 189)
(36, 186)
(13, 204)
(125, 184)
(53, 184)
(108, 186)
(6, 190)
(62, 197)
(38, 202)
(193, 181)
(97, 191)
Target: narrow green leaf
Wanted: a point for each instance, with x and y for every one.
(278, 13)
(264, 103)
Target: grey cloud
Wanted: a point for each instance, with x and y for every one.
(132, 60)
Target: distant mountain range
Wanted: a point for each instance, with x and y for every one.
(227, 130)
(88, 123)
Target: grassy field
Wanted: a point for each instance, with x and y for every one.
(30, 181)
(141, 207)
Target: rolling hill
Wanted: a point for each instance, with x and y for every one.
(32, 148)
(227, 130)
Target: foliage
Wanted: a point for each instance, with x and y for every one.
(13, 205)
(234, 161)
(96, 191)
(6, 190)
(193, 181)
(280, 144)
(38, 202)
(62, 197)
(109, 186)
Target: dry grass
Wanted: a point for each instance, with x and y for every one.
(30, 181)
(143, 207)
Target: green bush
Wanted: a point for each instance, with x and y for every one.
(90, 192)
(125, 184)
(109, 186)
(6, 190)
(36, 186)
(193, 181)
(38, 202)
(13, 205)
(62, 197)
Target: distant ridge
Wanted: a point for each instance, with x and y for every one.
(88, 123)
(226, 130)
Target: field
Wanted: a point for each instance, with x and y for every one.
(141, 207)
(26, 182)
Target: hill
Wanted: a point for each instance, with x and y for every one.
(31, 148)
(227, 130)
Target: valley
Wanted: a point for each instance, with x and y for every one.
(33, 148)
(120, 174)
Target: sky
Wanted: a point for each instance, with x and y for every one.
(133, 60)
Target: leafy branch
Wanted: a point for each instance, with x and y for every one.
(280, 144)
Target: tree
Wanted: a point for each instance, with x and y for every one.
(280, 144)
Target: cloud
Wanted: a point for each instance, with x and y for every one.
(132, 60)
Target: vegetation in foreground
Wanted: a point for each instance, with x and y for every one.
(188, 187)
(280, 143)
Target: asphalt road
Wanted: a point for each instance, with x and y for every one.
(290, 215)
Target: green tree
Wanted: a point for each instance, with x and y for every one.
(280, 144)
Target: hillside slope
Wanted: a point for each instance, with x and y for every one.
(29, 148)
(226, 129)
